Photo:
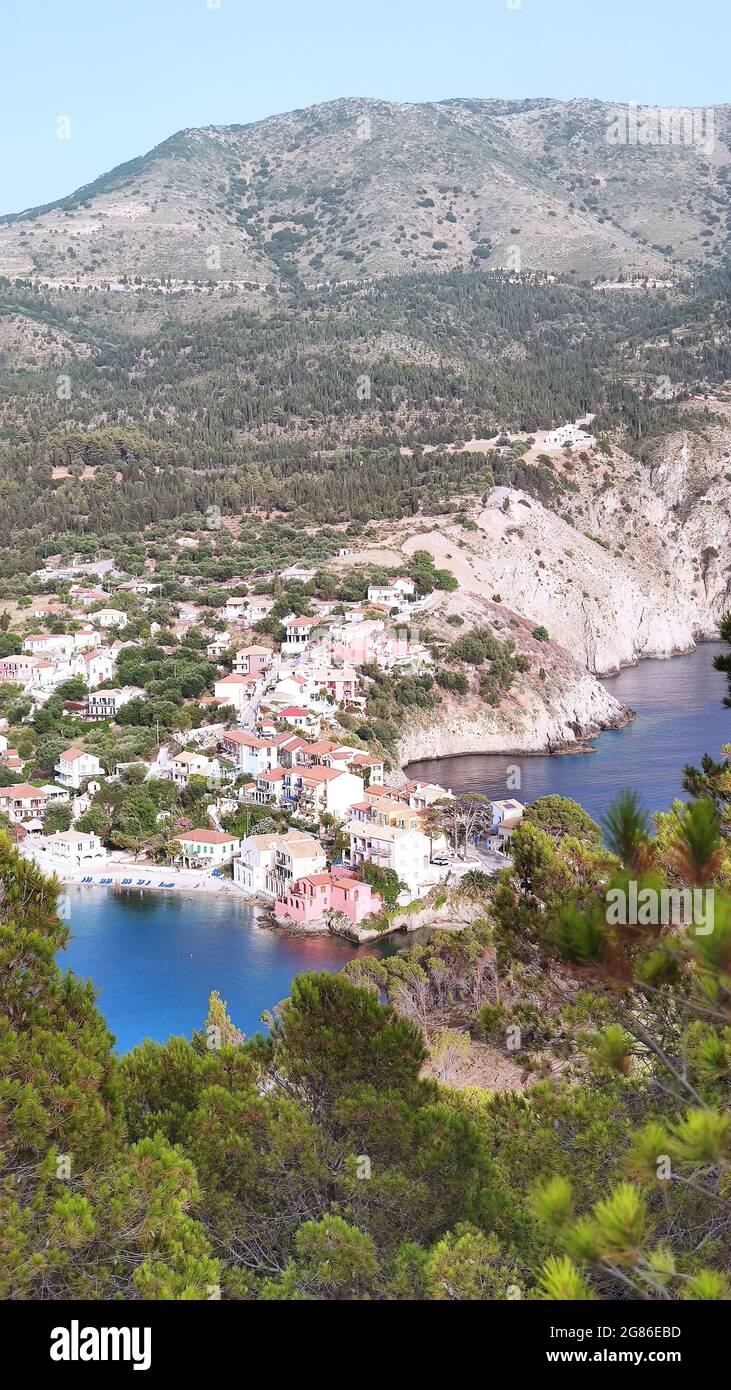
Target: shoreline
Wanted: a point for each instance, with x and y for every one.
(585, 743)
(122, 875)
(574, 747)
(141, 878)
(657, 656)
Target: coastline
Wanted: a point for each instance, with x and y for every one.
(125, 876)
(121, 874)
(582, 743)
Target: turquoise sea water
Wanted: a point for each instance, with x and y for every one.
(155, 959)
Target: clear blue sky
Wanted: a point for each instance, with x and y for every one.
(129, 73)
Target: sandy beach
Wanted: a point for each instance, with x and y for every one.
(119, 872)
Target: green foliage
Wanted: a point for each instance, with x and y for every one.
(383, 881)
(319, 1163)
(625, 829)
(578, 935)
(82, 1215)
(57, 816)
(479, 646)
(452, 680)
(562, 1281)
(559, 816)
(426, 578)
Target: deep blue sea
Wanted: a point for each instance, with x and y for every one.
(154, 959)
(679, 716)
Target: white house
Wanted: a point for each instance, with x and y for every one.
(258, 606)
(48, 673)
(298, 632)
(407, 851)
(217, 647)
(86, 639)
(93, 667)
(267, 864)
(393, 594)
(301, 718)
(235, 690)
(58, 794)
(290, 690)
(105, 704)
(209, 849)
(74, 847)
(75, 766)
(49, 643)
(187, 765)
(234, 608)
(110, 617)
(567, 434)
(316, 790)
(251, 754)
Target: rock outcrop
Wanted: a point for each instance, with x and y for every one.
(631, 561)
(565, 715)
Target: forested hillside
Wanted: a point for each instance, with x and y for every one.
(281, 317)
(307, 407)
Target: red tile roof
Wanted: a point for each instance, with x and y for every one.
(22, 790)
(320, 774)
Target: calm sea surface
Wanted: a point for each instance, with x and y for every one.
(155, 959)
(680, 716)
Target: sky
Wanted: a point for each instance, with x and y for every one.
(127, 74)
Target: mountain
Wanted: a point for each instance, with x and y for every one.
(359, 188)
(354, 327)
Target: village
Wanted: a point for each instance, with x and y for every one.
(286, 810)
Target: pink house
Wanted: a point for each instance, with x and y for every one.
(310, 897)
(251, 661)
(340, 682)
(17, 669)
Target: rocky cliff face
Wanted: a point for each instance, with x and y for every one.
(530, 723)
(633, 562)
